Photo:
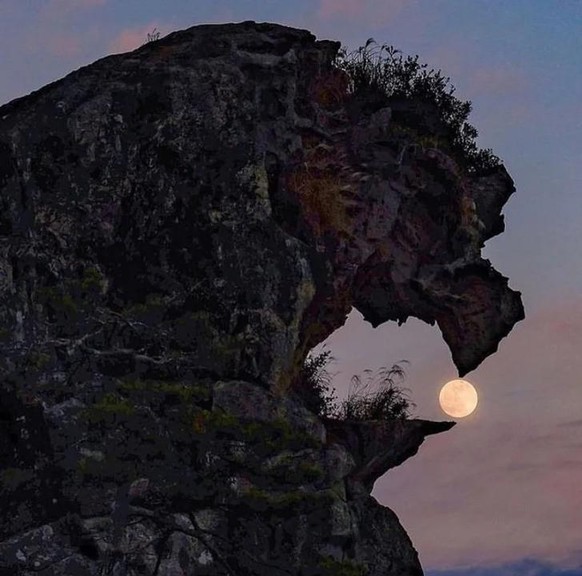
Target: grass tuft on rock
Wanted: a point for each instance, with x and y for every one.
(390, 401)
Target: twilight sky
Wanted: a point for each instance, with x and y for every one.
(501, 493)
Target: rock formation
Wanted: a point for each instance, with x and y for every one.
(179, 226)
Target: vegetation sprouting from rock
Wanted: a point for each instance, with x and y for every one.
(313, 384)
(396, 78)
(153, 36)
(389, 402)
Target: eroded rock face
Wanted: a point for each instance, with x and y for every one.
(179, 226)
(403, 231)
(204, 477)
(378, 446)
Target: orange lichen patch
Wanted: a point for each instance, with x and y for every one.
(330, 89)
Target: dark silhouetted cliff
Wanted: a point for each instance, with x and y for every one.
(179, 227)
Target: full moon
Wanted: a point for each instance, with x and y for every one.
(458, 398)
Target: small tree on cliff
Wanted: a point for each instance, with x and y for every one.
(390, 401)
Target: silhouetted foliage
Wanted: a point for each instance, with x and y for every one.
(153, 36)
(390, 401)
(314, 384)
(398, 78)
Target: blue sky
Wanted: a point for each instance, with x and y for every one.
(501, 493)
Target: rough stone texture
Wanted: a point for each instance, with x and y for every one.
(378, 446)
(179, 226)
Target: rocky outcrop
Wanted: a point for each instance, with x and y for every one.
(223, 477)
(377, 446)
(179, 226)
